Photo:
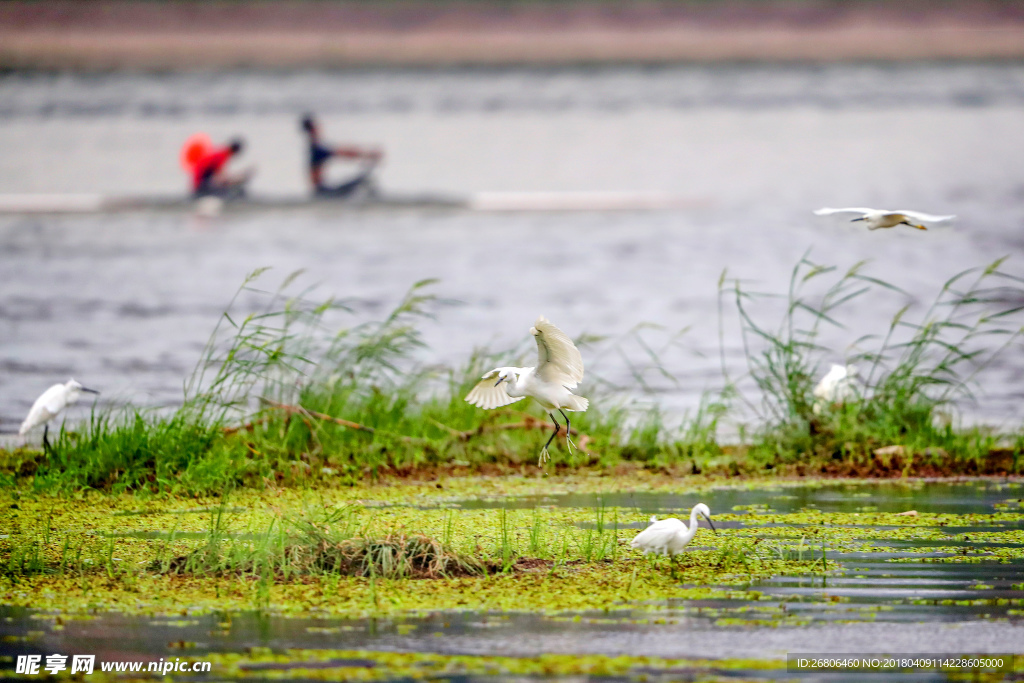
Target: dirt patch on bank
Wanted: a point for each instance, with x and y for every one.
(930, 463)
(182, 35)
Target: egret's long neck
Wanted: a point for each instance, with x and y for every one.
(517, 385)
(694, 524)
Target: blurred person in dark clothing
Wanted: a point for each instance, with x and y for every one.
(320, 153)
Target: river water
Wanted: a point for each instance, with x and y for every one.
(124, 302)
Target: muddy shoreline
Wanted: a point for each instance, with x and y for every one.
(184, 35)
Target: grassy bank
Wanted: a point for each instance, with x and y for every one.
(315, 469)
(289, 397)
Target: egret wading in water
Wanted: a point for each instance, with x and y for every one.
(670, 536)
(839, 385)
(558, 371)
(49, 405)
(883, 218)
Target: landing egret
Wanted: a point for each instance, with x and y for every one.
(670, 536)
(49, 405)
(837, 386)
(883, 218)
(558, 371)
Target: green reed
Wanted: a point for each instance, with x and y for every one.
(918, 370)
(320, 542)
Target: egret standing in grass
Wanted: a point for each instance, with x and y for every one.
(839, 385)
(49, 405)
(883, 218)
(670, 536)
(558, 371)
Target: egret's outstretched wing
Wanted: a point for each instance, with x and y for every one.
(656, 537)
(917, 215)
(558, 359)
(828, 212)
(486, 395)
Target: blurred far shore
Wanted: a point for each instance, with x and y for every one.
(163, 35)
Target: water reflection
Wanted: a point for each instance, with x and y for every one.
(978, 497)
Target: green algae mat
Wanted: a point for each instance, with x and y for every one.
(525, 577)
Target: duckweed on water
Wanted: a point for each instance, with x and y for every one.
(567, 589)
(86, 556)
(366, 665)
(369, 665)
(83, 557)
(104, 553)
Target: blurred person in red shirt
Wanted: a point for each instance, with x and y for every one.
(210, 176)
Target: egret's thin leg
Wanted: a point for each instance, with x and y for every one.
(568, 432)
(544, 451)
(46, 443)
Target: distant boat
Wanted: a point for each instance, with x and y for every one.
(481, 201)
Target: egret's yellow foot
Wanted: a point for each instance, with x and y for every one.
(544, 457)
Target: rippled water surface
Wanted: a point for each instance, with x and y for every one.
(124, 301)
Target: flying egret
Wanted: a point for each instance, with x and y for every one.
(49, 405)
(837, 386)
(883, 218)
(670, 536)
(558, 371)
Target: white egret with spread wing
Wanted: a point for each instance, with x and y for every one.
(49, 405)
(883, 218)
(670, 536)
(558, 371)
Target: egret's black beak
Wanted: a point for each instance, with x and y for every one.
(710, 522)
(500, 380)
(90, 391)
(854, 220)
